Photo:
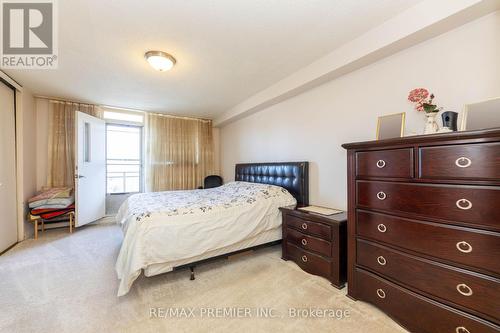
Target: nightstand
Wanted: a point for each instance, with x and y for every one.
(316, 243)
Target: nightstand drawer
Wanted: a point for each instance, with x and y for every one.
(309, 227)
(309, 242)
(317, 243)
(396, 163)
(310, 262)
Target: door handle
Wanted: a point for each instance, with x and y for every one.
(79, 176)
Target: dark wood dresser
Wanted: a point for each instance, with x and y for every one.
(316, 243)
(424, 230)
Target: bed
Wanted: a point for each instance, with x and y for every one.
(167, 230)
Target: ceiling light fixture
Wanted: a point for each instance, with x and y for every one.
(161, 61)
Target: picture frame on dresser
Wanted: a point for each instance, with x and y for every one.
(390, 126)
(481, 115)
(423, 229)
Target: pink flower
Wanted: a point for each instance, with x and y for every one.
(422, 100)
(417, 95)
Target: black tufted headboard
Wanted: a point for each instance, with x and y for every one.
(294, 176)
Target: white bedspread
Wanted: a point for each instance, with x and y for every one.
(165, 226)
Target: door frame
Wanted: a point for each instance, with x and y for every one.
(23, 225)
(16, 159)
(7, 80)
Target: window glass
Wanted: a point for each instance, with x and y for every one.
(124, 162)
(125, 116)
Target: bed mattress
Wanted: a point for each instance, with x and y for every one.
(163, 229)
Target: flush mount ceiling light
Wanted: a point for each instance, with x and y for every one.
(161, 61)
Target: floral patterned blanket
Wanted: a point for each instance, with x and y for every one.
(160, 227)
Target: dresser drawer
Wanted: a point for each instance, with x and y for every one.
(309, 242)
(473, 205)
(310, 262)
(476, 249)
(479, 161)
(461, 287)
(308, 227)
(396, 163)
(417, 313)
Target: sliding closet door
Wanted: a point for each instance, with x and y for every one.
(8, 215)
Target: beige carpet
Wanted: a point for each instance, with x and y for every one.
(67, 283)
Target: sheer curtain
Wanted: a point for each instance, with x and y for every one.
(61, 149)
(179, 152)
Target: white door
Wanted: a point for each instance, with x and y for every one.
(8, 203)
(90, 170)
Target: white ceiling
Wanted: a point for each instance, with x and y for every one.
(226, 50)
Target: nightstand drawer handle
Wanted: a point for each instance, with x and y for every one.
(464, 247)
(304, 226)
(461, 329)
(380, 293)
(464, 289)
(304, 241)
(381, 227)
(464, 204)
(381, 260)
(463, 162)
(304, 258)
(381, 195)
(380, 164)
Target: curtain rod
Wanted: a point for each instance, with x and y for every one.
(56, 99)
(179, 117)
(153, 112)
(121, 108)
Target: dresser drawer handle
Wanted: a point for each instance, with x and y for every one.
(304, 258)
(464, 204)
(381, 195)
(463, 162)
(380, 164)
(304, 226)
(380, 293)
(464, 247)
(381, 227)
(461, 329)
(464, 289)
(381, 260)
(304, 241)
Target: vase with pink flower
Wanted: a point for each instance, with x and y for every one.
(423, 101)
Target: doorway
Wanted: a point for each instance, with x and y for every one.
(124, 164)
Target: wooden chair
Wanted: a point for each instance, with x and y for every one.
(37, 220)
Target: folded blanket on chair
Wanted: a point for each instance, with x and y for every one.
(51, 212)
(51, 203)
(60, 197)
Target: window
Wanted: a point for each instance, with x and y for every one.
(86, 143)
(124, 158)
(125, 116)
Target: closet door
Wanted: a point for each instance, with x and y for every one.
(8, 215)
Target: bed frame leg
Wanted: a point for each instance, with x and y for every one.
(191, 268)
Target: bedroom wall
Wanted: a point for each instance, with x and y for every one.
(459, 66)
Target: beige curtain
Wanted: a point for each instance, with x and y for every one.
(179, 152)
(61, 149)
